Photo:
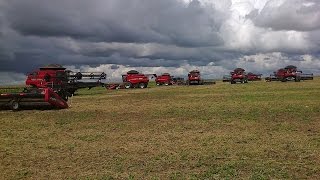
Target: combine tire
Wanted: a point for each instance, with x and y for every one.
(166, 83)
(232, 82)
(142, 85)
(297, 79)
(14, 105)
(158, 83)
(127, 85)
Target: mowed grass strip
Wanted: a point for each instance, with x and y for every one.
(257, 130)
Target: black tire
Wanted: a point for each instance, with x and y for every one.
(158, 83)
(127, 85)
(14, 105)
(232, 82)
(142, 85)
(166, 83)
(297, 79)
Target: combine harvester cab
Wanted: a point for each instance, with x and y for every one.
(238, 75)
(63, 81)
(134, 79)
(289, 73)
(33, 97)
(164, 79)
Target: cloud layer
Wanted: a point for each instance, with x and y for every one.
(160, 36)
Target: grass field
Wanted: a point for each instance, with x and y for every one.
(257, 130)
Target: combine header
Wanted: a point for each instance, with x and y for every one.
(238, 75)
(178, 81)
(289, 73)
(32, 97)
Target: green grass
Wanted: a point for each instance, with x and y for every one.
(257, 130)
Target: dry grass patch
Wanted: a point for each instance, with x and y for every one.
(246, 131)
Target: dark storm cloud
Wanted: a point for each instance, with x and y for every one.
(153, 33)
(134, 21)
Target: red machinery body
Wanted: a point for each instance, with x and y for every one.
(194, 77)
(62, 80)
(135, 79)
(33, 97)
(289, 73)
(164, 79)
(254, 77)
(238, 75)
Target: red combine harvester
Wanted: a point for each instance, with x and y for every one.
(254, 77)
(289, 73)
(32, 97)
(238, 75)
(134, 79)
(164, 79)
(194, 77)
(62, 81)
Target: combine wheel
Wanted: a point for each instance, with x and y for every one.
(232, 82)
(166, 83)
(158, 83)
(142, 85)
(297, 79)
(127, 85)
(14, 105)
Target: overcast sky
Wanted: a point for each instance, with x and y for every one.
(158, 36)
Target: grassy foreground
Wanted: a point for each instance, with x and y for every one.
(257, 130)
